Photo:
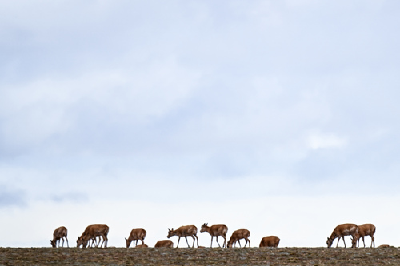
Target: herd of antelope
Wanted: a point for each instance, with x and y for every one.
(96, 234)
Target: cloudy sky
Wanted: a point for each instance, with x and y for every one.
(275, 116)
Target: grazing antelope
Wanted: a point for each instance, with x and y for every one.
(364, 230)
(84, 240)
(164, 244)
(269, 241)
(215, 230)
(136, 234)
(142, 246)
(341, 231)
(237, 235)
(93, 231)
(184, 231)
(59, 233)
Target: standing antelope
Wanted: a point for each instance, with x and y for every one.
(136, 234)
(269, 241)
(164, 244)
(93, 231)
(237, 235)
(59, 233)
(184, 231)
(364, 230)
(215, 230)
(341, 231)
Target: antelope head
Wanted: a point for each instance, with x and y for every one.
(53, 243)
(170, 232)
(204, 228)
(354, 240)
(79, 242)
(329, 242)
(128, 243)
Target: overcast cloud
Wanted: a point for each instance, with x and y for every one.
(268, 115)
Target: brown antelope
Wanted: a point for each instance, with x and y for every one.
(93, 231)
(136, 234)
(215, 230)
(142, 246)
(385, 246)
(59, 233)
(164, 244)
(341, 231)
(364, 230)
(237, 235)
(85, 239)
(269, 241)
(184, 231)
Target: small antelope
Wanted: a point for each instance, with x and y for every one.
(364, 230)
(341, 231)
(91, 232)
(184, 231)
(164, 244)
(385, 246)
(142, 246)
(59, 233)
(136, 234)
(269, 241)
(237, 235)
(215, 230)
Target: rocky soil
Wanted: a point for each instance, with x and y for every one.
(202, 256)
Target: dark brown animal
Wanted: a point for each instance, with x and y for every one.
(142, 246)
(269, 241)
(184, 231)
(59, 233)
(164, 244)
(136, 234)
(364, 230)
(237, 235)
(215, 230)
(341, 231)
(91, 233)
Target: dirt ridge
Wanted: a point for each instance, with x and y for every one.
(204, 256)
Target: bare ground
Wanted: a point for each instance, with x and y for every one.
(204, 256)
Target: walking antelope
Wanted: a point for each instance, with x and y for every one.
(93, 231)
(184, 231)
(364, 230)
(269, 241)
(164, 244)
(136, 234)
(341, 231)
(59, 233)
(237, 235)
(215, 230)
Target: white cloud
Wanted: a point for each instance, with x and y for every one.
(325, 141)
(35, 111)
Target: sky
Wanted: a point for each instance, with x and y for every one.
(275, 116)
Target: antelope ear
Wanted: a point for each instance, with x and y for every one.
(126, 239)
